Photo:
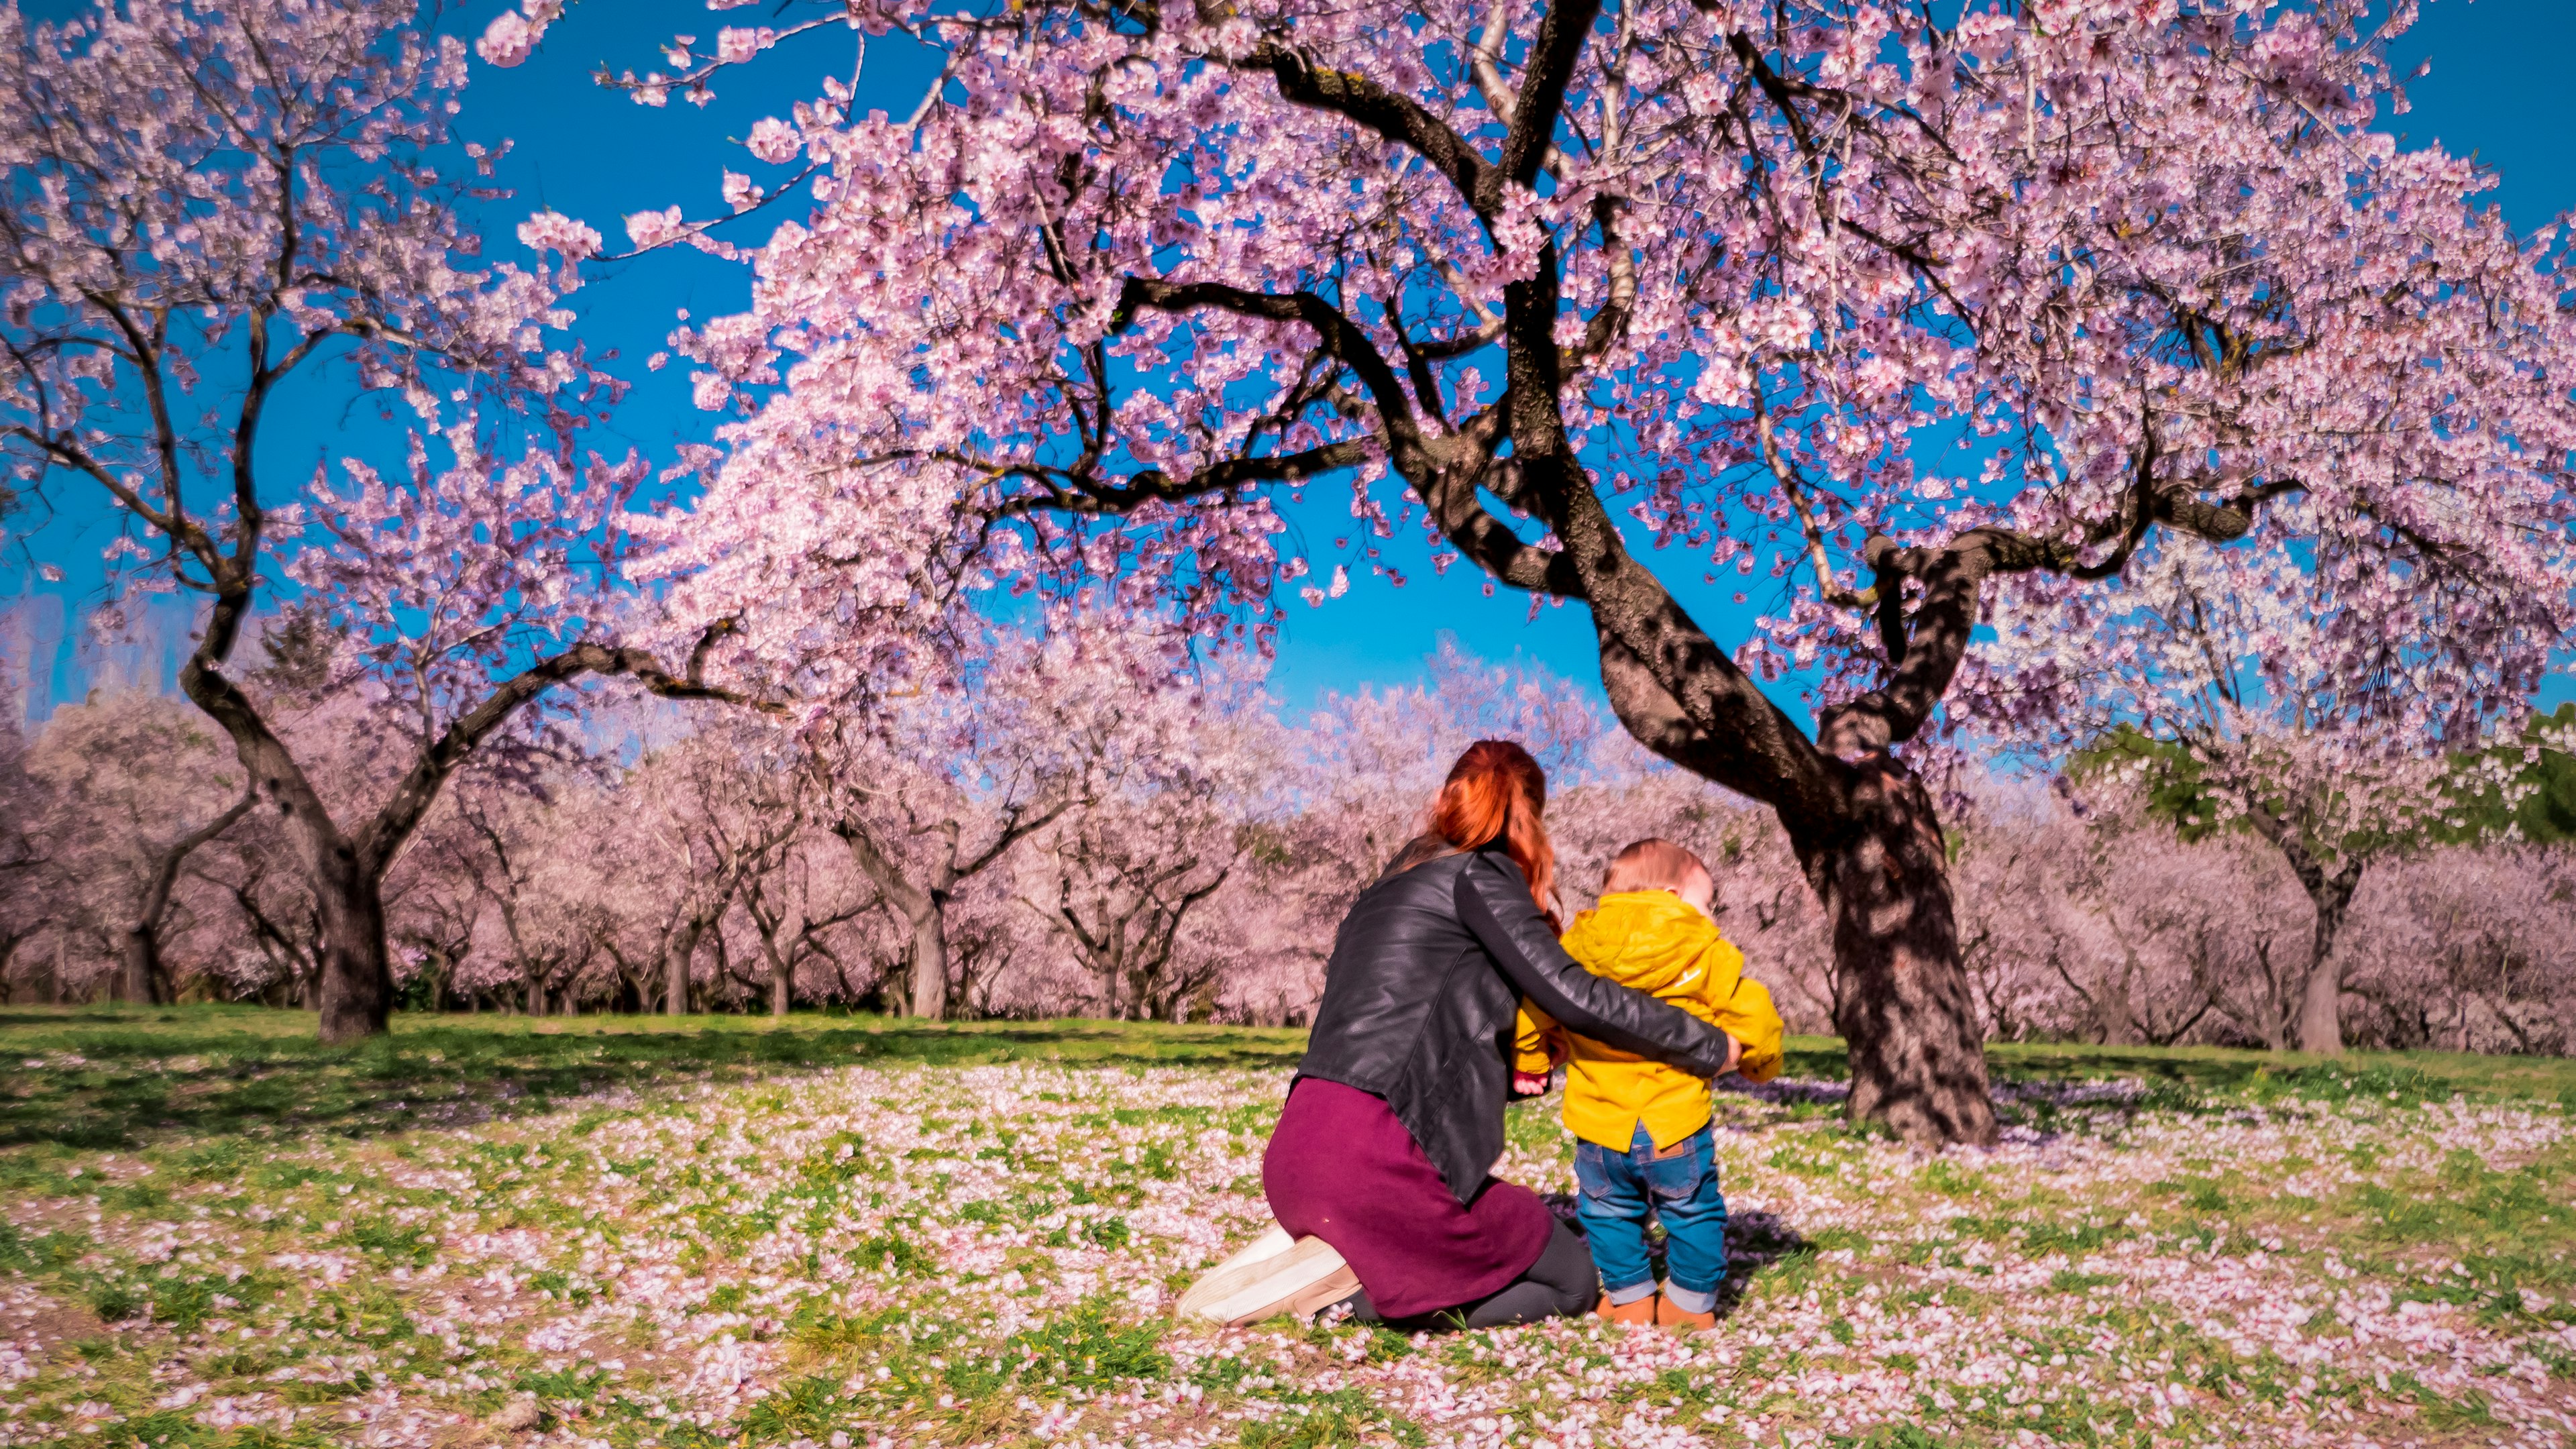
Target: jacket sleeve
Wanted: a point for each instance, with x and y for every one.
(1756, 1023)
(1494, 904)
(1532, 1050)
(1743, 1009)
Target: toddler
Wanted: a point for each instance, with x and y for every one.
(1645, 1145)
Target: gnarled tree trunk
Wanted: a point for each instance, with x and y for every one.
(356, 987)
(357, 971)
(1864, 828)
(1904, 1008)
(930, 959)
(139, 974)
(922, 906)
(345, 869)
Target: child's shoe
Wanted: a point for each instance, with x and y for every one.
(1638, 1311)
(1680, 1320)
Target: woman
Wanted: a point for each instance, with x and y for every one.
(1385, 1150)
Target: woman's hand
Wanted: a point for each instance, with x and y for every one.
(1529, 1084)
(1734, 1055)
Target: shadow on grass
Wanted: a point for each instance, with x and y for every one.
(2182, 1077)
(117, 1078)
(112, 1077)
(2188, 1077)
(1756, 1241)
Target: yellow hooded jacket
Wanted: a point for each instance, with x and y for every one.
(1652, 941)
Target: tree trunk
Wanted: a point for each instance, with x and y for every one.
(2115, 1010)
(1907, 1017)
(2321, 999)
(347, 870)
(138, 977)
(2113, 1023)
(2320, 1012)
(782, 988)
(675, 978)
(357, 976)
(923, 908)
(925, 904)
(930, 959)
(893, 990)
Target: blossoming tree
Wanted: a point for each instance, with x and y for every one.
(22, 851)
(2473, 948)
(137, 791)
(1552, 281)
(1176, 781)
(203, 202)
(2231, 674)
(930, 790)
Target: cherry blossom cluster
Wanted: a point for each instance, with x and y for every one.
(1126, 279)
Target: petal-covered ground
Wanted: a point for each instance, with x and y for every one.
(927, 1254)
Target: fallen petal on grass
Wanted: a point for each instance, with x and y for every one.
(914, 1251)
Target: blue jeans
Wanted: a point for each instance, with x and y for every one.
(1680, 1188)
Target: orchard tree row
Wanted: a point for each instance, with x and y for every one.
(2079, 370)
(653, 865)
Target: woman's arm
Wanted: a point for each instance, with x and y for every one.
(1494, 903)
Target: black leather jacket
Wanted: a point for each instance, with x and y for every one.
(1426, 978)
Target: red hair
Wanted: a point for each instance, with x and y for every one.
(1496, 791)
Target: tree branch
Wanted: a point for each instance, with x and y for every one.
(393, 824)
(1398, 118)
(1550, 68)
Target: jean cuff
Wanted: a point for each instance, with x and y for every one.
(1690, 1300)
(1623, 1296)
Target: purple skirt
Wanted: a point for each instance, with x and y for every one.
(1341, 1168)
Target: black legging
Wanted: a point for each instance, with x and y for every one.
(1560, 1284)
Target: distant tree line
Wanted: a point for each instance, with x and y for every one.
(1041, 843)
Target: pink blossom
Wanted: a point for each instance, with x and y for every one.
(574, 240)
(773, 140)
(649, 229)
(508, 40)
(736, 44)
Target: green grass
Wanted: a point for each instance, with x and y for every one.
(148, 1074)
(145, 1074)
(2261, 1075)
(2250, 1075)
(944, 1257)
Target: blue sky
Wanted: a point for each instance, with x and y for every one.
(2497, 89)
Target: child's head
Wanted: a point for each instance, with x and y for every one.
(1660, 865)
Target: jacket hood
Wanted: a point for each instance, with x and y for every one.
(1649, 940)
